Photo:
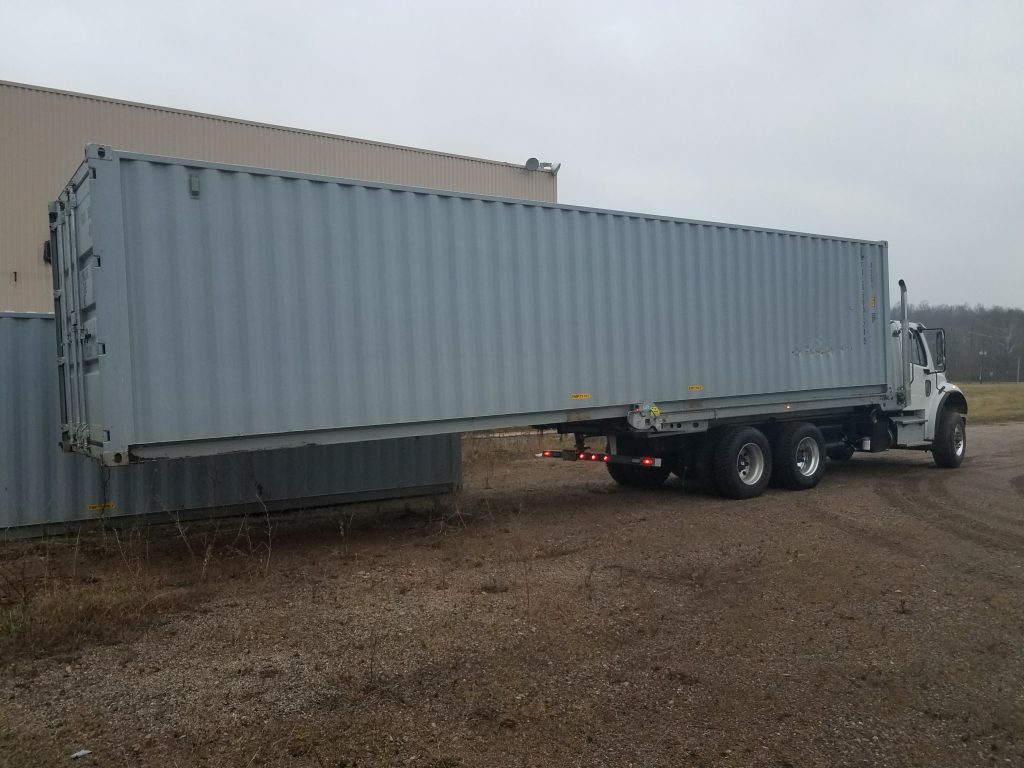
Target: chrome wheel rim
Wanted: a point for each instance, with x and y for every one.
(750, 463)
(808, 456)
(958, 440)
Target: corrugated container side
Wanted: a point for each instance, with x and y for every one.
(274, 304)
(44, 131)
(41, 485)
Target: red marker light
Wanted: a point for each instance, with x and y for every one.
(593, 457)
(607, 457)
(583, 455)
(546, 454)
(648, 462)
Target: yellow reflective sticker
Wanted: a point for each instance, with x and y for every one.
(98, 507)
(580, 395)
(695, 387)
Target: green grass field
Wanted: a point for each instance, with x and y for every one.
(989, 403)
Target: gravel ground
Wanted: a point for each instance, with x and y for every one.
(548, 617)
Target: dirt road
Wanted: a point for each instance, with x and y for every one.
(550, 618)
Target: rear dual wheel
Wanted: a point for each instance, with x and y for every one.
(742, 463)
(799, 456)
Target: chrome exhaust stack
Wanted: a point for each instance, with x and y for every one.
(905, 344)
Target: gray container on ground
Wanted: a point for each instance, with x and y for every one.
(42, 487)
(209, 308)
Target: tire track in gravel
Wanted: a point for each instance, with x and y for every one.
(985, 518)
(908, 497)
(878, 537)
(1017, 484)
(949, 495)
(977, 566)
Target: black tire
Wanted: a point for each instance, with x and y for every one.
(842, 452)
(950, 444)
(799, 456)
(742, 463)
(638, 476)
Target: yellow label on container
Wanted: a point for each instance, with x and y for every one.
(695, 387)
(580, 395)
(98, 507)
(874, 302)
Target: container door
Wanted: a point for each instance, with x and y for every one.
(74, 307)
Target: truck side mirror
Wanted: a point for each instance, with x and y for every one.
(937, 343)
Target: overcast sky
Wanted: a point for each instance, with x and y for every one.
(889, 120)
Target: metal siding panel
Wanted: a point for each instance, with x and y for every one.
(47, 130)
(484, 348)
(41, 485)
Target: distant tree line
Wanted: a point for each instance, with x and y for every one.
(982, 343)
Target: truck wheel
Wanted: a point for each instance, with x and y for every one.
(950, 444)
(742, 463)
(638, 475)
(841, 452)
(799, 456)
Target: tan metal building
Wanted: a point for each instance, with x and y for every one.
(43, 133)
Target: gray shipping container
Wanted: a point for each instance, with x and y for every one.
(43, 488)
(208, 308)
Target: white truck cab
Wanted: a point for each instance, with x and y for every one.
(928, 412)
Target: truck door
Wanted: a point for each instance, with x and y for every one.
(922, 387)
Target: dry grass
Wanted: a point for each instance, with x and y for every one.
(57, 615)
(990, 403)
(105, 586)
(46, 607)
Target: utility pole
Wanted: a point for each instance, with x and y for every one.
(981, 362)
(1018, 369)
